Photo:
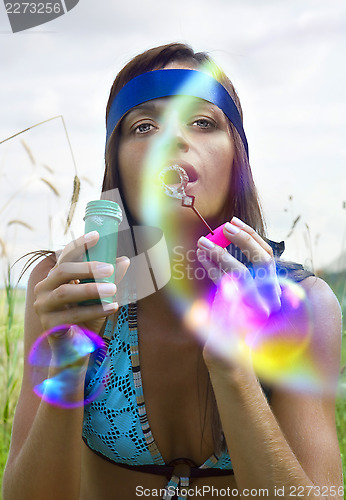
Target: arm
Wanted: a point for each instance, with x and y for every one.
(292, 443)
(44, 458)
(45, 455)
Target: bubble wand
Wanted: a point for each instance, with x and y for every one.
(188, 201)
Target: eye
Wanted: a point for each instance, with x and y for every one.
(204, 123)
(143, 128)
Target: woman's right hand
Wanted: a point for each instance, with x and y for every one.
(58, 295)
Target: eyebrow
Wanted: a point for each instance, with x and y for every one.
(149, 106)
(154, 107)
(146, 106)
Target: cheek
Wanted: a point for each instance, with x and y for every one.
(131, 168)
(128, 173)
(221, 156)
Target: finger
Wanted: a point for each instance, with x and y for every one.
(220, 262)
(248, 244)
(264, 290)
(76, 271)
(67, 294)
(220, 256)
(122, 265)
(70, 271)
(260, 254)
(229, 267)
(214, 272)
(76, 248)
(248, 229)
(80, 315)
(268, 286)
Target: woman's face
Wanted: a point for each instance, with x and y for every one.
(197, 139)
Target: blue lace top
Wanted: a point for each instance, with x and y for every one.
(115, 422)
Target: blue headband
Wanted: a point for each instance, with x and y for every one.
(170, 82)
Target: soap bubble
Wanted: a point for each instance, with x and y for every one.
(55, 373)
(281, 347)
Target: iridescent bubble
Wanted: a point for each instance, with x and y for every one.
(281, 347)
(58, 363)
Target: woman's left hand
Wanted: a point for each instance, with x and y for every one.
(244, 300)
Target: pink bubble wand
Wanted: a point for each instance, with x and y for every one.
(188, 201)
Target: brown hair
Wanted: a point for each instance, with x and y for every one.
(243, 201)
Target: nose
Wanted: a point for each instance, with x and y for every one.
(178, 137)
(181, 144)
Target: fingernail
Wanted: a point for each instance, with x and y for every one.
(204, 242)
(113, 306)
(238, 222)
(106, 289)
(231, 229)
(90, 236)
(123, 258)
(104, 269)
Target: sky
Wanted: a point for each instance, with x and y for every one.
(285, 58)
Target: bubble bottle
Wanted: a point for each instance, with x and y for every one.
(103, 216)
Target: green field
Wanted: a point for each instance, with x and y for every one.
(11, 364)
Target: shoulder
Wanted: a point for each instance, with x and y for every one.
(319, 291)
(322, 326)
(326, 314)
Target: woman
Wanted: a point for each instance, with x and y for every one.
(186, 437)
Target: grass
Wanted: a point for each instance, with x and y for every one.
(337, 281)
(11, 362)
(12, 299)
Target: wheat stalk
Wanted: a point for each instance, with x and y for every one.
(74, 200)
(50, 185)
(3, 248)
(22, 223)
(295, 222)
(47, 167)
(29, 152)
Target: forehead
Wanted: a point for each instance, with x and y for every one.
(184, 105)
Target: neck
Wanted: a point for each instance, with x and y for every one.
(189, 280)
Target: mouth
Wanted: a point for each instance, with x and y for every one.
(189, 169)
(177, 179)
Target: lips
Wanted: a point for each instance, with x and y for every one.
(189, 169)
